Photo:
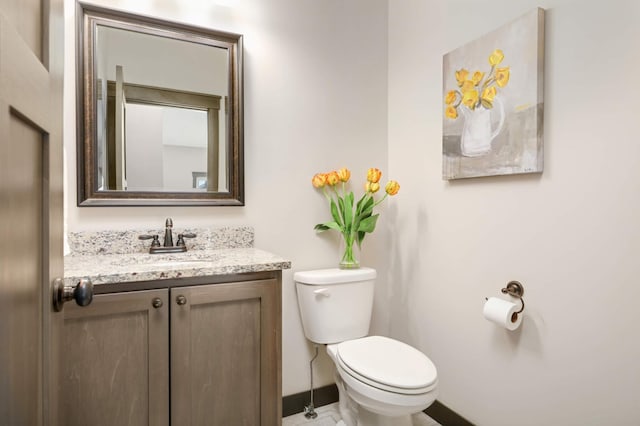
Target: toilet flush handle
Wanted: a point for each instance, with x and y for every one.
(322, 292)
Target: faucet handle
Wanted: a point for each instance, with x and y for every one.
(154, 243)
(181, 238)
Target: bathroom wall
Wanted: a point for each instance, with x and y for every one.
(315, 100)
(571, 235)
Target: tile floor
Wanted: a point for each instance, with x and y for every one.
(328, 416)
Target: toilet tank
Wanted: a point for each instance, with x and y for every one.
(335, 304)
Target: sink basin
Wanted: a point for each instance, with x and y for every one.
(177, 263)
(179, 260)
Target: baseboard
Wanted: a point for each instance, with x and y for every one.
(294, 404)
(445, 415)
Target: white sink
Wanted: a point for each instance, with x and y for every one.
(177, 263)
(179, 260)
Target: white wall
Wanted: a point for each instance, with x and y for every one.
(179, 163)
(144, 149)
(570, 235)
(184, 65)
(315, 99)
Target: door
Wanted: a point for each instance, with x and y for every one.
(116, 361)
(225, 354)
(31, 63)
(121, 146)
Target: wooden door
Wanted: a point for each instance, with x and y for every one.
(116, 369)
(31, 63)
(226, 355)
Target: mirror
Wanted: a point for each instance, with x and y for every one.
(159, 112)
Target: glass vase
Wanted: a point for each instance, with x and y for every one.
(350, 252)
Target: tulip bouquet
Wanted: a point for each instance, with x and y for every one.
(479, 88)
(352, 219)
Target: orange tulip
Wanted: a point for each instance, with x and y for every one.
(372, 187)
(392, 187)
(344, 174)
(319, 180)
(373, 175)
(333, 178)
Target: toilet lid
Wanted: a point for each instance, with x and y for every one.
(387, 362)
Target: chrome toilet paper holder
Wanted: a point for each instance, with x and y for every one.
(515, 289)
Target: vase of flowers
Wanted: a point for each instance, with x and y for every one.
(476, 98)
(354, 220)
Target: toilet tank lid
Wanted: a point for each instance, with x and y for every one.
(334, 276)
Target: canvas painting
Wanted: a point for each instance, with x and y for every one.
(493, 102)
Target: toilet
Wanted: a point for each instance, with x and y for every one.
(381, 381)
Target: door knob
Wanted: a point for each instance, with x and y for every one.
(82, 293)
(181, 300)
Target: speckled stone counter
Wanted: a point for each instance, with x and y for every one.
(120, 257)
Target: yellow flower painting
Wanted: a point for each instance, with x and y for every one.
(492, 102)
(470, 88)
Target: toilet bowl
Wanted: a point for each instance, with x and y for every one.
(385, 376)
(381, 381)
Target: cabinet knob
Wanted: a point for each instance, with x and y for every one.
(156, 302)
(181, 300)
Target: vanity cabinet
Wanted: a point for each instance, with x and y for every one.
(115, 362)
(205, 354)
(225, 354)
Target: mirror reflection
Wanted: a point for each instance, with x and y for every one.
(156, 130)
(161, 107)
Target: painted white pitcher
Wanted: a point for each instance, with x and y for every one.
(476, 132)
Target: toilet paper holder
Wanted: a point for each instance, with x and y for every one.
(515, 289)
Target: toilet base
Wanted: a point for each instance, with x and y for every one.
(354, 414)
(368, 418)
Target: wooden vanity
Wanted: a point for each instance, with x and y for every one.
(191, 347)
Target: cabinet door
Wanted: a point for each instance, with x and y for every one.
(225, 354)
(116, 361)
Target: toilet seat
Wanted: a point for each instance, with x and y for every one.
(387, 364)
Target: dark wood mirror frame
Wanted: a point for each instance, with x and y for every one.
(88, 17)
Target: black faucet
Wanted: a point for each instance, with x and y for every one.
(168, 235)
(167, 246)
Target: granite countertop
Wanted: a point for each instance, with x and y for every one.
(106, 259)
(131, 267)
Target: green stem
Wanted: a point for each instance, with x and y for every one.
(326, 195)
(380, 200)
(348, 257)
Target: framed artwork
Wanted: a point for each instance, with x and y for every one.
(493, 102)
